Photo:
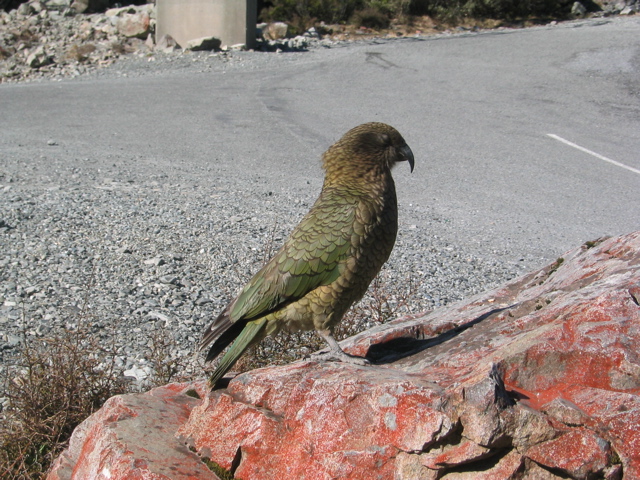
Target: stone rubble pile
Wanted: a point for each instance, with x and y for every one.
(615, 7)
(50, 39)
(47, 39)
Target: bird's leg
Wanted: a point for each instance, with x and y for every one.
(335, 353)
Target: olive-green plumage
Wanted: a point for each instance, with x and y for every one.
(330, 258)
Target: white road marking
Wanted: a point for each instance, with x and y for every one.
(597, 155)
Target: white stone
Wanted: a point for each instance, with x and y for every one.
(204, 43)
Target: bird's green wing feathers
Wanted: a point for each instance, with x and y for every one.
(312, 256)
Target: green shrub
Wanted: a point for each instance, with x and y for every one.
(370, 18)
(497, 9)
(302, 14)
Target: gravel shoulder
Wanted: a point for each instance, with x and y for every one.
(127, 255)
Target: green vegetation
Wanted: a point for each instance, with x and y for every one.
(593, 243)
(496, 9)
(377, 14)
(555, 265)
(218, 470)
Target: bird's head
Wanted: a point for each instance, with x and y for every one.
(368, 148)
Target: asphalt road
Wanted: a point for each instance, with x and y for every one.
(477, 110)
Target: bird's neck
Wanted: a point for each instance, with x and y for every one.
(373, 182)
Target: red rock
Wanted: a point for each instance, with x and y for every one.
(133, 437)
(578, 453)
(565, 412)
(352, 420)
(618, 414)
(533, 379)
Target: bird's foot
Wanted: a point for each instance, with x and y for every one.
(335, 353)
(339, 356)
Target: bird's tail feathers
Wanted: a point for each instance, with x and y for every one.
(218, 327)
(224, 340)
(253, 332)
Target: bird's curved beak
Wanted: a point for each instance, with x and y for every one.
(407, 154)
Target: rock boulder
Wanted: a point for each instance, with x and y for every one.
(537, 379)
(133, 437)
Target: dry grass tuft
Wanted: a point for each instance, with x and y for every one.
(55, 384)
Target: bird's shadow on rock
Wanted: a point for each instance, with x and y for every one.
(402, 347)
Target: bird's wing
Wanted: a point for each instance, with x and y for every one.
(312, 256)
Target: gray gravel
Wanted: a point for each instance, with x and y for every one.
(126, 253)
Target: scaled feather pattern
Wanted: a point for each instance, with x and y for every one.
(329, 259)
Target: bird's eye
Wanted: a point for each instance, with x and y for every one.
(384, 138)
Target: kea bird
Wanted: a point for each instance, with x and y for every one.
(329, 259)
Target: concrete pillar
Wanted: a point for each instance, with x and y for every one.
(231, 21)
